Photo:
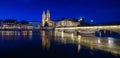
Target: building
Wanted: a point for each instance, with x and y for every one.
(8, 24)
(35, 24)
(1, 24)
(46, 21)
(24, 24)
(67, 22)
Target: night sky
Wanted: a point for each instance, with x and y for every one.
(100, 11)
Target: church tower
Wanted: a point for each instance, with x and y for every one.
(46, 19)
(43, 18)
(48, 15)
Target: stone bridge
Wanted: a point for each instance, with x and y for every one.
(114, 28)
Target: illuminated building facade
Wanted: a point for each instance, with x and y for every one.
(8, 24)
(67, 22)
(46, 22)
(25, 25)
(14, 24)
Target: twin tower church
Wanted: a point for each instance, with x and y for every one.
(46, 21)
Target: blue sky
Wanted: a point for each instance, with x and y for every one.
(100, 11)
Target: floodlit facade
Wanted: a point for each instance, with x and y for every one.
(46, 19)
(9, 24)
(67, 22)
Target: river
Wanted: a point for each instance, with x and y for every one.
(55, 44)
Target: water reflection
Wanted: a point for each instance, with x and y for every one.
(49, 40)
(46, 38)
(30, 34)
(24, 34)
(108, 44)
(14, 35)
(79, 40)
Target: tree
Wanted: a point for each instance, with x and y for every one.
(24, 22)
(82, 22)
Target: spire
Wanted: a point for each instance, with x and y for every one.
(43, 18)
(48, 14)
(43, 13)
(48, 11)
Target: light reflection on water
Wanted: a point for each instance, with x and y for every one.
(108, 44)
(14, 35)
(46, 36)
